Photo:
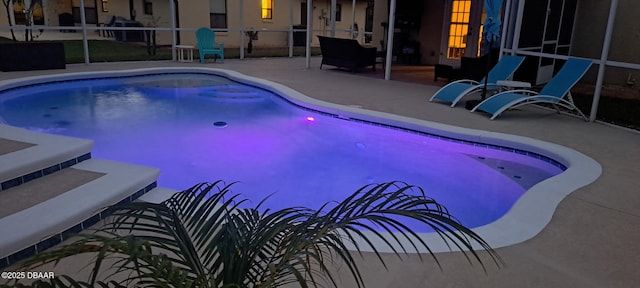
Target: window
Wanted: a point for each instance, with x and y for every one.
(338, 12)
(147, 7)
(267, 9)
(459, 28)
(19, 15)
(218, 13)
(303, 13)
(105, 5)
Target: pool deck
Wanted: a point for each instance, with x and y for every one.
(593, 239)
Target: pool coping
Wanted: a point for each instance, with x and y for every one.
(518, 225)
(53, 152)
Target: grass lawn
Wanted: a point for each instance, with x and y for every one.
(109, 51)
(112, 51)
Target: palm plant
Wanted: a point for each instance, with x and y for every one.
(203, 237)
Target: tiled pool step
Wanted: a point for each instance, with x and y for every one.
(50, 153)
(46, 224)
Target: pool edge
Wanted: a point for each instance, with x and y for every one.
(581, 169)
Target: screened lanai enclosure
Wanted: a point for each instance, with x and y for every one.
(423, 33)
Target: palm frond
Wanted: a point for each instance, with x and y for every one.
(202, 237)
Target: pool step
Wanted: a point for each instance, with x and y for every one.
(37, 155)
(158, 195)
(43, 225)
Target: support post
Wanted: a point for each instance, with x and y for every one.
(603, 60)
(241, 19)
(353, 18)
(389, 56)
(309, 29)
(505, 26)
(290, 33)
(174, 41)
(518, 27)
(332, 17)
(85, 42)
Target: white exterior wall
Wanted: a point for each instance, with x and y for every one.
(272, 31)
(195, 13)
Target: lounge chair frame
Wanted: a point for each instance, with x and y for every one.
(523, 97)
(534, 98)
(475, 86)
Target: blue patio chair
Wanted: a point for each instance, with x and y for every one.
(454, 91)
(207, 44)
(554, 92)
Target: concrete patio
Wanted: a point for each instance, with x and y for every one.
(593, 238)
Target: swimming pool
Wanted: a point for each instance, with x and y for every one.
(295, 153)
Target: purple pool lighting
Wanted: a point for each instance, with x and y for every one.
(172, 121)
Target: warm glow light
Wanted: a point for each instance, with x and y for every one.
(267, 9)
(311, 119)
(459, 28)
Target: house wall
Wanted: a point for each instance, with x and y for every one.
(589, 28)
(322, 23)
(161, 17)
(118, 8)
(50, 10)
(195, 13)
(54, 8)
(272, 31)
(591, 22)
(4, 20)
(430, 34)
(380, 15)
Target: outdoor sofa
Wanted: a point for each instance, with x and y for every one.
(32, 55)
(346, 53)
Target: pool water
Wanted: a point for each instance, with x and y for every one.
(199, 128)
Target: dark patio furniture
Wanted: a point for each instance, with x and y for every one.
(66, 20)
(473, 68)
(26, 56)
(346, 53)
(128, 35)
(299, 37)
(445, 71)
(108, 32)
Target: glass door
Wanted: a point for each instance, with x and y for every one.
(462, 31)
